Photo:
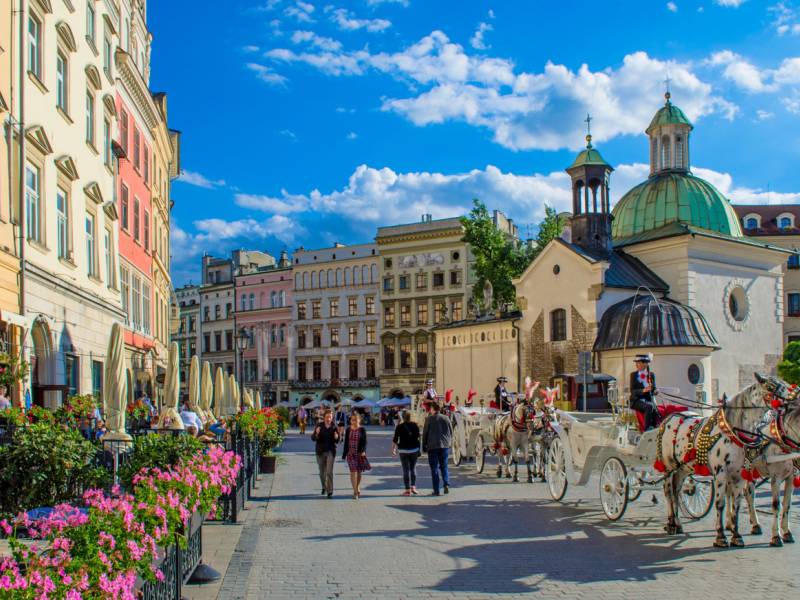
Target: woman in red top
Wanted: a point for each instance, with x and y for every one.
(355, 452)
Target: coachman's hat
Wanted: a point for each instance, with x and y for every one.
(645, 358)
(429, 382)
(502, 379)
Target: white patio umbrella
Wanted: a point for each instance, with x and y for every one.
(232, 405)
(170, 418)
(194, 385)
(206, 393)
(220, 387)
(259, 403)
(115, 387)
(247, 401)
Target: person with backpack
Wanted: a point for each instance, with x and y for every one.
(406, 443)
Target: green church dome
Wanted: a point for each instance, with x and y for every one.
(669, 114)
(673, 197)
(589, 156)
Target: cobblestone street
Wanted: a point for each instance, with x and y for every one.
(488, 538)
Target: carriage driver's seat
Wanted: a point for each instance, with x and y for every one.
(664, 410)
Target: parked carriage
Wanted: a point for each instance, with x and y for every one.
(472, 434)
(614, 445)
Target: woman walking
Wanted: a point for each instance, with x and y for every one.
(406, 443)
(355, 452)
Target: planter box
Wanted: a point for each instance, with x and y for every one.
(266, 464)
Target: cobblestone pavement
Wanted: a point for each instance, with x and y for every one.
(488, 538)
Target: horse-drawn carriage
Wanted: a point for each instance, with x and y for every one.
(614, 445)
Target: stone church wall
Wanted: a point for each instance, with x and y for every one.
(542, 359)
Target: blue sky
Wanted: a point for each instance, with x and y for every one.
(307, 123)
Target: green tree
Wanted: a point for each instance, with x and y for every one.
(789, 367)
(498, 258)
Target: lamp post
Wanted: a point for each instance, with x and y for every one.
(268, 387)
(242, 338)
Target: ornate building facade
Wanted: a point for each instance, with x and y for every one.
(336, 323)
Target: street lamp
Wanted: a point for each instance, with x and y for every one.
(268, 387)
(242, 338)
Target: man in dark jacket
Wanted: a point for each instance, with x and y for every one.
(437, 437)
(326, 436)
(643, 390)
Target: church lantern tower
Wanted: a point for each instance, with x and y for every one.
(591, 202)
(669, 139)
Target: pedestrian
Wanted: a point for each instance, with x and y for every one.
(355, 452)
(4, 401)
(326, 436)
(437, 437)
(301, 420)
(406, 443)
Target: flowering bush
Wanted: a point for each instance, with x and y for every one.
(264, 424)
(156, 451)
(98, 553)
(12, 369)
(76, 409)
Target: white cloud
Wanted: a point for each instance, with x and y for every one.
(753, 79)
(301, 11)
(275, 26)
(763, 115)
(323, 43)
(250, 48)
(730, 3)
(267, 74)
(786, 20)
(289, 134)
(351, 136)
(490, 14)
(524, 110)
(346, 21)
(345, 110)
(199, 180)
(792, 103)
(672, 7)
(477, 41)
(404, 3)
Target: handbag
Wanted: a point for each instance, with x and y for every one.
(364, 463)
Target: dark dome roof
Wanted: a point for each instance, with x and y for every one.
(650, 323)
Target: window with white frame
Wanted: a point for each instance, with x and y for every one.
(145, 308)
(91, 260)
(107, 51)
(137, 148)
(33, 203)
(62, 223)
(62, 82)
(751, 223)
(244, 302)
(108, 248)
(136, 302)
(786, 221)
(146, 231)
(90, 22)
(136, 218)
(125, 292)
(107, 143)
(89, 118)
(35, 45)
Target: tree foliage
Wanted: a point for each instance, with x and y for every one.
(789, 367)
(498, 258)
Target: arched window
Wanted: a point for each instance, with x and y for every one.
(282, 301)
(305, 281)
(679, 152)
(365, 274)
(283, 334)
(323, 279)
(273, 299)
(273, 335)
(785, 222)
(297, 281)
(654, 154)
(261, 300)
(558, 325)
(356, 275)
(244, 302)
(331, 280)
(313, 280)
(665, 156)
(373, 274)
(252, 301)
(751, 223)
(348, 276)
(339, 279)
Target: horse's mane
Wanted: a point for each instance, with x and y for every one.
(741, 409)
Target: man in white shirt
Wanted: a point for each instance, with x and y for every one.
(189, 417)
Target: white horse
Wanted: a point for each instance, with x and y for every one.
(711, 446)
(779, 463)
(512, 437)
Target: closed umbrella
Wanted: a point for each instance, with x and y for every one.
(232, 406)
(206, 393)
(220, 387)
(194, 386)
(248, 400)
(115, 387)
(259, 404)
(170, 418)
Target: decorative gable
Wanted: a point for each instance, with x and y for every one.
(110, 208)
(93, 191)
(67, 166)
(37, 136)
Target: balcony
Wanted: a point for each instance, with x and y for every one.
(321, 384)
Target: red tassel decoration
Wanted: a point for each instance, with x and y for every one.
(659, 466)
(756, 474)
(776, 403)
(690, 455)
(702, 470)
(797, 481)
(747, 475)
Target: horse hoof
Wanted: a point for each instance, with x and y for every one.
(671, 529)
(499, 474)
(515, 480)
(678, 529)
(776, 542)
(508, 476)
(530, 479)
(756, 530)
(737, 541)
(788, 538)
(720, 543)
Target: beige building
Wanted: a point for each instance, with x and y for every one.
(425, 281)
(65, 107)
(779, 225)
(336, 323)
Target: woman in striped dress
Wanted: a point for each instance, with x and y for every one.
(355, 452)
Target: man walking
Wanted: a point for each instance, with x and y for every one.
(437, 437)
(326, 436)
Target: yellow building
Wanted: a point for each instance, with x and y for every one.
(425, 281)
(779, 225)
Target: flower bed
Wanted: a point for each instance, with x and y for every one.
(98, 552)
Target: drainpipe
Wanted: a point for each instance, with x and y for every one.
(21, 183)
(519, 353)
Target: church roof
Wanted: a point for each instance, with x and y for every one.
(669, 114)
(643, 321)
(589, 156)
(673, 197)
(624, 271)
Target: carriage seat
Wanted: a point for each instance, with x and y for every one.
(664, 410)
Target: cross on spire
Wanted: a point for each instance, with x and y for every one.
(588, 121)
(667, 81)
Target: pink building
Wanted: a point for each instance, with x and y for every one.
(264, 310)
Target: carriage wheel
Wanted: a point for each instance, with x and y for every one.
(556, 470)
(634, 486)
(455, 451)
(480, 454)
(696, 496)
(614, 488)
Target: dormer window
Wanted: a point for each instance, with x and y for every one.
(785, 221)
(752, 221)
